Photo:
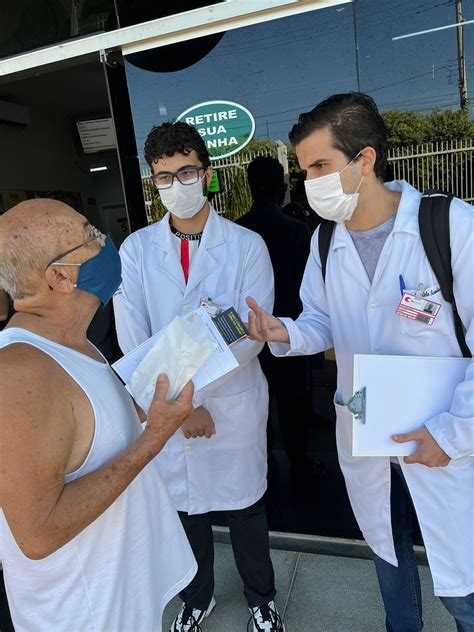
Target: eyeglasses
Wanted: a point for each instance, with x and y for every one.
(96, 234)
(186, 175)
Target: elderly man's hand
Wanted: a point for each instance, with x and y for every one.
(199, 424)
(165, 417)
(429, 453)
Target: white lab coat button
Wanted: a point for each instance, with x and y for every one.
(373, 306)
(186, 308)
(188, 448)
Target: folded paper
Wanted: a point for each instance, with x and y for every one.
(181, 350)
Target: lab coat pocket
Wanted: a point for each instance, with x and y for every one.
(343, 426)
(414, 328)
(235, 418)
(456, 464)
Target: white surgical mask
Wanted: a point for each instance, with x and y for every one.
(327, 198)
(184, 200)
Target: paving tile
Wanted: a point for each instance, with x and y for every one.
(337, 594)
(231, 614)
(329, 594)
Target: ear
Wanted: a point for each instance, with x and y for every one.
(61, 278)
(367, 157)
(208, 175)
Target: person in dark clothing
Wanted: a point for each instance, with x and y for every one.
(288, 242)
(103, 335)
(296, 211)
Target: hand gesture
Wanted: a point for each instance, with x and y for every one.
(263, 326)
(429, 453)
(198, 424)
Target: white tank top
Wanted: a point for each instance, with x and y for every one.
(118, 573)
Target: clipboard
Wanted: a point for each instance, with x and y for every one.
(397, 394)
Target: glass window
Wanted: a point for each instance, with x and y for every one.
(276, 70)
(28, 25)
(416, 81)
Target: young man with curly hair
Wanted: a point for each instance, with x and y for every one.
(217, 461)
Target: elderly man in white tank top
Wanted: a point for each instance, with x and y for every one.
(89, 539)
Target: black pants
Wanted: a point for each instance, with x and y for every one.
(249, 536)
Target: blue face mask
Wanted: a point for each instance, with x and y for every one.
(101, 275)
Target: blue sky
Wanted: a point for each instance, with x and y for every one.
(280, 68)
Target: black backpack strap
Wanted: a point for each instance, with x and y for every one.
(433, 219)
(326, 229)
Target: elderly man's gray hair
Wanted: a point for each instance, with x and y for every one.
(23, 261)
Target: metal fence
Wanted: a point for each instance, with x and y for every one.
(448, 166)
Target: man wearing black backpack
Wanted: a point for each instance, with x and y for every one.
(385, 242)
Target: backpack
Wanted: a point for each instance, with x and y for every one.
(433, 219)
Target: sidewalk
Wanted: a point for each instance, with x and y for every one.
(316, 593)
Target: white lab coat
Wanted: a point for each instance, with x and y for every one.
(229, 470)
(355, 316)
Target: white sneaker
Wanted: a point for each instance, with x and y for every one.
(189, 619)
(265, 618)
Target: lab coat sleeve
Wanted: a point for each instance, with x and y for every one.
(311, 332)
(131, 316)
(453, 430)
(257, 281)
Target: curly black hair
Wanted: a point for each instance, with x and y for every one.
(174, 137)
(355, 123)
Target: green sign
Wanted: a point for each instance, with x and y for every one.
(214, 185)
(226, 127)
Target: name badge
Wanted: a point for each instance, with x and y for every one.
(418, 308)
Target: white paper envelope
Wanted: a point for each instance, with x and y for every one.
(220, 362)
(179, 352)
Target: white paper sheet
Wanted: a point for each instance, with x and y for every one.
(220, 362)
(184, 347)
(402, 392)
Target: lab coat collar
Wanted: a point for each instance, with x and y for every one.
(406, 219)
(212, 235)
(204, 262)
(167, 259)
(207, 257)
